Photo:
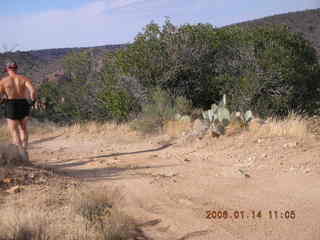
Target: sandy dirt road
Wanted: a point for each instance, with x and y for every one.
(267, 188)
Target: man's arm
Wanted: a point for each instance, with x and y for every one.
(2, 89)
(3, 94)
(31, 89)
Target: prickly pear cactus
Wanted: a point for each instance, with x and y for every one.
(211, 115)
(248, 116)
(205, 115)
(223, 116)
(214, 107)
(220, 117)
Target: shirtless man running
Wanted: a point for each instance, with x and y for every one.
(18, 89)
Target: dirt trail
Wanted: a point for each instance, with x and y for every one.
(178, 182)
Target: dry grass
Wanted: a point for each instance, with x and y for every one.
(175, 128)
(24, 224)
(4, 133)
(34, 127)
(93, 129)
(293, 126)
(90, 129)
(73, 214)
(235, 127)
(93, 206)
(148, 125)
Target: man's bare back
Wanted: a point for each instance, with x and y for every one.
(16, 87)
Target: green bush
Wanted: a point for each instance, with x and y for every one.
(154, 114)
(119, 103)
(174, 59)
(273, 71)
(79, 97)
(183, 106)
(267, 69)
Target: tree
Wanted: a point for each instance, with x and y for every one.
(270, 70)
(172, 58)
(267, 69)
(74, 99)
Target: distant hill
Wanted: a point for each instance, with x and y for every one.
(50, 55)
(306, 22)
(46, 65)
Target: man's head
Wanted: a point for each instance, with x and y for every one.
(10, 65)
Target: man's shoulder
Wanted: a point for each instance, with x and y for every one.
(5, 79)
(22, 77)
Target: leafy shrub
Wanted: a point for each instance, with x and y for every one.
(267, 69)
(119, 103)
(174, 59)
(183, 105)
(71, 99)
(154, 114)
(272, 71)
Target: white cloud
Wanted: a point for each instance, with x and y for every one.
(118, 21)
(91, 24)
(122, 3)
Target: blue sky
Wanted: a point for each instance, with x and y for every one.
(43, 24)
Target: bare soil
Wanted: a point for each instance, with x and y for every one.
(181, 184)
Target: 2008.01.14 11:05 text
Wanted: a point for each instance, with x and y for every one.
(271, 214)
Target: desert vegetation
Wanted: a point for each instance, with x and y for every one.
(266, 66)
(170, 70)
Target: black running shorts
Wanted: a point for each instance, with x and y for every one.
(17, 109)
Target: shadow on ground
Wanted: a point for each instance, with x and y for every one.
(114, 173)
(45, 139)
(130, 153)
(65, 167)
(109, 155)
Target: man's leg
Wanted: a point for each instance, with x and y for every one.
(13, 126)
(24, 132)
